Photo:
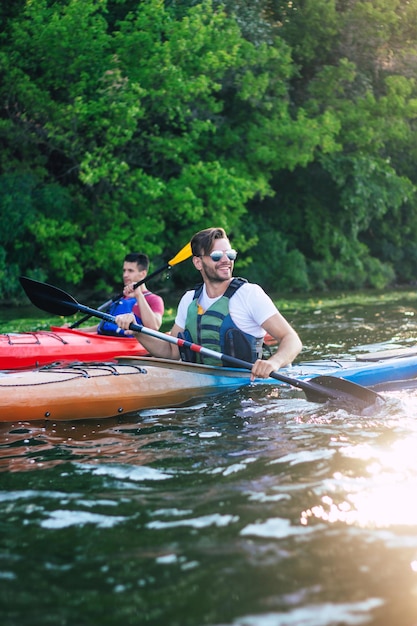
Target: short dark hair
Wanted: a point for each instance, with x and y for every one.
(203, 241)
(141, 260)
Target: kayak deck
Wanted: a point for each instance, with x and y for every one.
(368, 373)
(33, 349)
(97, 390)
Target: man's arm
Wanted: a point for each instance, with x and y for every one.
(150, 318)
(289, 346)
(156, 347)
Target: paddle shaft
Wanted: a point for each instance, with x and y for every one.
(322, 388)
(304, 385)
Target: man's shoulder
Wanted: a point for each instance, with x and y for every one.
(187, 295)
(155, 301)
(151, 294)
(250, 294)
(248, 287)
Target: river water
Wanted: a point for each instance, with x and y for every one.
(255, 508)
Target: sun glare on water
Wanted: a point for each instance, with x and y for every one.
(382, 497)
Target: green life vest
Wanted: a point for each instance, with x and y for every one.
(216, 330)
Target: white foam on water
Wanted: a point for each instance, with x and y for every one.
(196, 522)
(123, 472)
(209, 434)
(63, 519)
(328, 614)
(274, 528)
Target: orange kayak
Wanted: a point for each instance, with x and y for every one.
(99, 390)
(129, 384)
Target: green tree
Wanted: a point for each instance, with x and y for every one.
(150, 127)
(351, 211)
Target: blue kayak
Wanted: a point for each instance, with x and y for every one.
(373, 370)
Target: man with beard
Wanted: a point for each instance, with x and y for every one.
(226, 314)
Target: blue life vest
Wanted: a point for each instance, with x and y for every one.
(124, 305)
(216, 330)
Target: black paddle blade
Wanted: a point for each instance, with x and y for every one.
(49, 298)
(332, 388)
(341, 389)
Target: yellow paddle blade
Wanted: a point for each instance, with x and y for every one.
(183, 254)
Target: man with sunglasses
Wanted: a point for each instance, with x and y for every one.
(226, 314)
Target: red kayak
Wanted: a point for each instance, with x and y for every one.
(32, 349)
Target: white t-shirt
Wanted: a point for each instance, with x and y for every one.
(249, 308)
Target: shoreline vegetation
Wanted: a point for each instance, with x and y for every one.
(132, 125)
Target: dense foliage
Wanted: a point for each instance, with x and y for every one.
(129, 125)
